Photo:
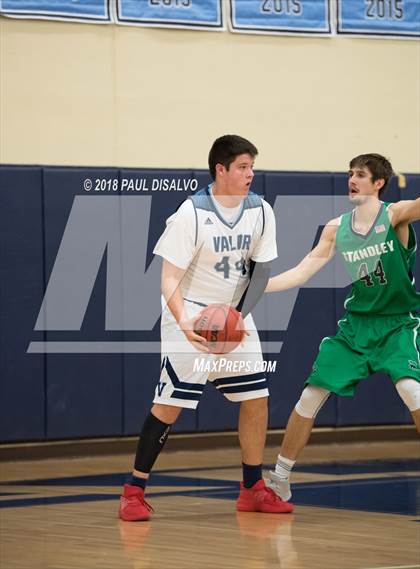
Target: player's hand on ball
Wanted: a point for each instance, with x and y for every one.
(187, 326)
(222, 326)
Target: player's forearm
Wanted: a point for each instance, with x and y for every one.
(171, 291)
(309, 265)
(284, 281)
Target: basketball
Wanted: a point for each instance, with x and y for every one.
(222, 326)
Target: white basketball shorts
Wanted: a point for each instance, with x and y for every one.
(185, 370)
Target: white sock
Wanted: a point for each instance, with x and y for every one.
(284, 466)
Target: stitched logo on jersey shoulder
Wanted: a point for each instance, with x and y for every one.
(380, 228)
(208, 222)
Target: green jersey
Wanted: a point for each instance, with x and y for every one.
(379, 265)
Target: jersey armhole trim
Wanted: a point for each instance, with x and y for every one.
(263, 218)
(196, 222)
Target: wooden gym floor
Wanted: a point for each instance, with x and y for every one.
(356, 508)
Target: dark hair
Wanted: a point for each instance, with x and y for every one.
(379, 166)
(226, 148)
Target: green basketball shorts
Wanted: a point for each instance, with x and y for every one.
(366, 344)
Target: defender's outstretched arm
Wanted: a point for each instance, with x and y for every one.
(405, 211)
(310, 265)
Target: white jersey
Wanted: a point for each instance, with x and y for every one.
(216, 253)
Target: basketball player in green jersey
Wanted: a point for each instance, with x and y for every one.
(380, 330)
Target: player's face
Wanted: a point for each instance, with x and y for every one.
(237, 180)
(361, 187)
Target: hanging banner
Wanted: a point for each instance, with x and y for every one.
(203, 14)
(281, 16)
(379, 17)
(79, 10)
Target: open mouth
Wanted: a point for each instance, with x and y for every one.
(354, 191)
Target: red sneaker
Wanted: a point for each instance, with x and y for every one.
(133, 506)
(259, 498)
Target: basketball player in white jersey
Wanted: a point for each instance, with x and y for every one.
(212, 245)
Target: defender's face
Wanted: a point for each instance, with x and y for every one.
(237, 180)
(361, 187)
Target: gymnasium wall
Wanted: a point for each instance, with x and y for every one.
(110, 102)
(80, 301)
(80, 94)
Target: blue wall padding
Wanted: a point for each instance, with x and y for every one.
(84, 391)
(22, 378)
(46, 396)
(312, 319)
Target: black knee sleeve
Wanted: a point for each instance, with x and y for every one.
(152, 439)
